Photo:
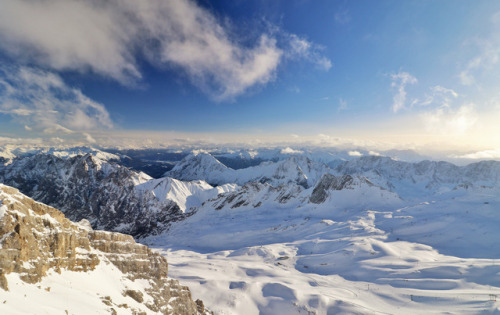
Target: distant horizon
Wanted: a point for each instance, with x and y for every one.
(459, 158)
(417, 75)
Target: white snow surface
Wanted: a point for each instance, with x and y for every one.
(74, 292)
(296, 168)
(69, 292)
(187, 195)
(416, 238)
(362, 251)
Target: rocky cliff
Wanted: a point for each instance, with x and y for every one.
(37, 240)
(92, 188)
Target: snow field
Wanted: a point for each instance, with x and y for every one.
(427, 257)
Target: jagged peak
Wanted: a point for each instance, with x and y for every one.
(197, 162)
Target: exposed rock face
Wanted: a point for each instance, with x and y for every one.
(298, 170)
(410, 179)
(329, 182)
(254, 194)
(87, 187)
(35, 238)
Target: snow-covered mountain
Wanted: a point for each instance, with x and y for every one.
(417, 180)
(343, 246)
(367, 234)
(49, 265)
(9, 153)
(330, 191)
(110, 196)
(95, 187)
(295, 169)
(201, 166)
(187, 195)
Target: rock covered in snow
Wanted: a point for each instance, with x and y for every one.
(329, 182)
(295, 169)
(255, 194)
(36, 239)
(420, 179)
(103, 192)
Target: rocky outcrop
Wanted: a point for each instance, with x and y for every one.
(137, 261)
(35, 238)
(87, 187)
(329, 182)
(298, 170)
(418, 179)
(255, 194)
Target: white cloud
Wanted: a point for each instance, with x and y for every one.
(450, 121)
(399, 82)
(480, 155)
(439, 96)
(108, 37)
(42, 102)
(68, 34)
(355, 153)
(304, 49)
(486, 60)
(440, 114)
(89, 138)
(289, 150)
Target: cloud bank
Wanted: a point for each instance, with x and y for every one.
(110, 38)
(43, 103)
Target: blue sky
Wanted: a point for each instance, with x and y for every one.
(416, 74)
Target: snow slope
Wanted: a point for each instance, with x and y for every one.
(360, 251)
(187, 195)
(418, 180)
(369, 235)
(295, 169)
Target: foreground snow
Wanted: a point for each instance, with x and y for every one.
(433, 256)
(74, 292)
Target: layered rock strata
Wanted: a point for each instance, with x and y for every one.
(36, 239)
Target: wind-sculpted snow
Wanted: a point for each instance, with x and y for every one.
(362, 250)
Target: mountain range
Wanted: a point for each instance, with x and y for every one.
(319, 222)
